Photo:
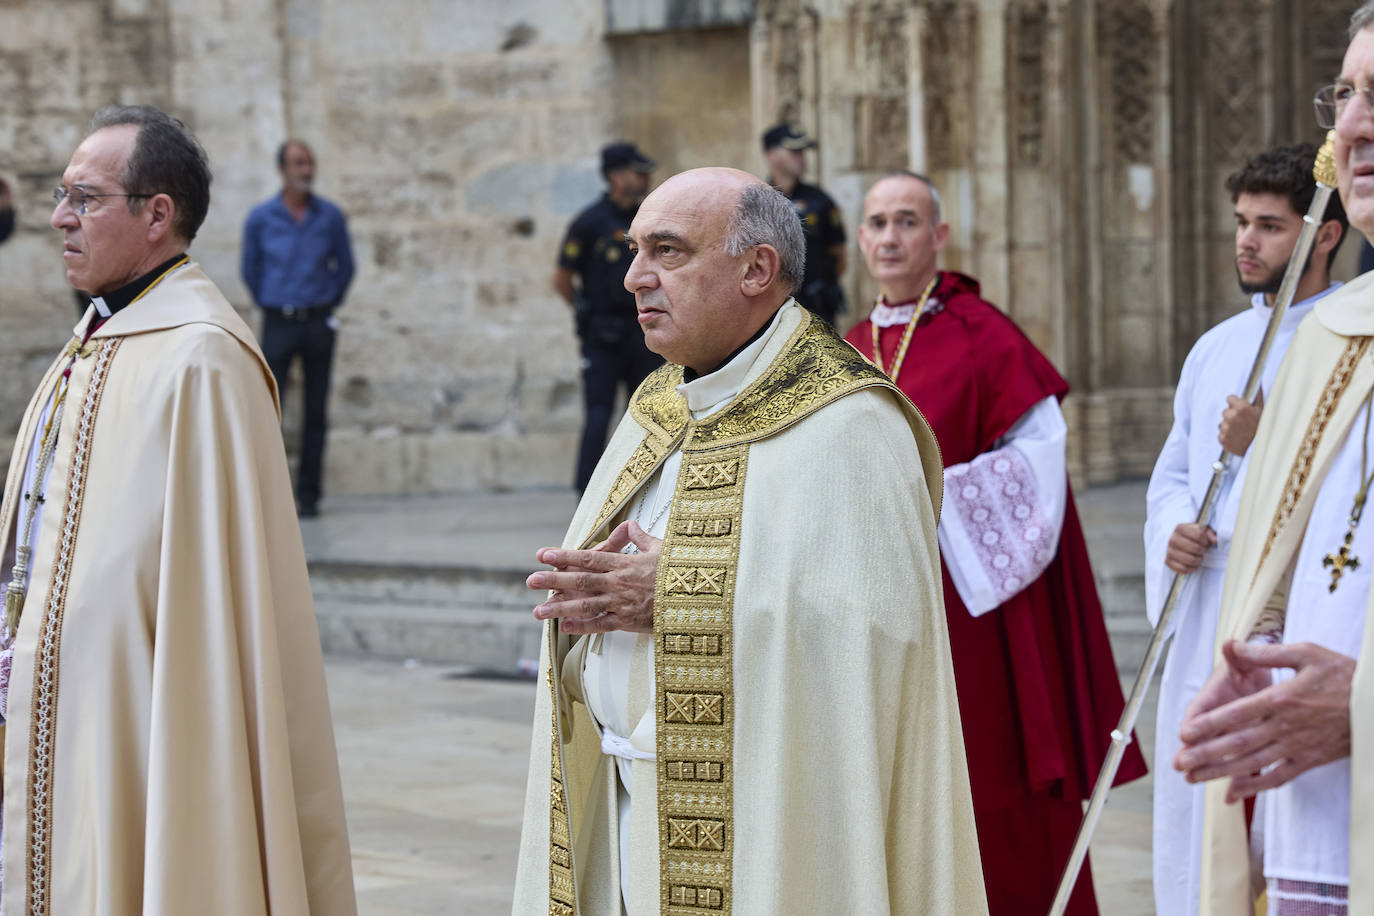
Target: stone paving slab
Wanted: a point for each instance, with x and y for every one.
(434, 773)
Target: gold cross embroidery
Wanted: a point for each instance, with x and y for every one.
(1340, 561)
(683, 579)
(684, 834)
(709, 581)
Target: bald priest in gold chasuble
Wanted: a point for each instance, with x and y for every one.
(746, 701)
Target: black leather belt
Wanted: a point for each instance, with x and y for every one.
(295, 313)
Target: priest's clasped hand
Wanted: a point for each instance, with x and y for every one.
(602, 589)
(1262, 734)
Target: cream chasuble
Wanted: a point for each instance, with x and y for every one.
(1318, 399)
(169, 747)
(808, 758)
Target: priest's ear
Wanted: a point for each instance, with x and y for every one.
(761, 269)
(159, 213)
(1329, 236)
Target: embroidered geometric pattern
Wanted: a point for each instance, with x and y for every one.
(45, 681)
(689, 771)
(562, 885)
(637, 470)
(696, 580)
(694, 679)
(690, 833)
(696, 708)
(687, 644)
(704, 527)
(1302, 461)
(697, 898)
(713, 475)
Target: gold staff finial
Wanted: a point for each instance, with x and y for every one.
(1324, 170)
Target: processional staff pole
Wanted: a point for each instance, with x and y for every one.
(1324, 171)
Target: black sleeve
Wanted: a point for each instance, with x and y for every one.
(577, 245)
(832, 223)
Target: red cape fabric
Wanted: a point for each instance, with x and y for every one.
(1038, 688)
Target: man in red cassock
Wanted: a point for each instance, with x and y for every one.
(1038, 689)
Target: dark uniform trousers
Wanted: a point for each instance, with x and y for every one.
(305, 332)
(605, 366)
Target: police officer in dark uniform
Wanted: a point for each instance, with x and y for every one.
(784, 148)
(591, 277)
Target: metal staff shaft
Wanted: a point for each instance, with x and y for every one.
(1324, 172)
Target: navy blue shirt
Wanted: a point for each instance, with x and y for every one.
(300, 265)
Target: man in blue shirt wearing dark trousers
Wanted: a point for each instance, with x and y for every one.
(297, 263)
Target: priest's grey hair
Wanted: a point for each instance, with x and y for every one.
(764, 216)
(1362, 18)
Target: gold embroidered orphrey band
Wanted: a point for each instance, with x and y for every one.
(694, 608)
(1336, 385)
(694, 680)
(45, 681)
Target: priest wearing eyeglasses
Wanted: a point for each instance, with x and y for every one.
(1288, 715)
(167, 739)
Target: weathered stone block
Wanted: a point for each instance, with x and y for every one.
(358, 462)
(537, 459)
(447, 462)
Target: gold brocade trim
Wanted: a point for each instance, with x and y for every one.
(656, 404)
(43, 737)
(562, 878)
(1302, 462)
(694, 683)
(814, 368)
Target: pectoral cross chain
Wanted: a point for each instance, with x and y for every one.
(1340, 561)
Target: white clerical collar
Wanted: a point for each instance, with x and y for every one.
(1264, 309)
(708, 393)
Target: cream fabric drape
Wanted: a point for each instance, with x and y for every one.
(169, 748)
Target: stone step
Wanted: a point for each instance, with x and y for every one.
(421, 584)
(497, 638)
(446, 582)
(472, 616)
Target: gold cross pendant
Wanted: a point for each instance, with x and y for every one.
(1340, 561)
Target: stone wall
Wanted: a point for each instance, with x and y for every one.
(460, 138)
(1080, 147)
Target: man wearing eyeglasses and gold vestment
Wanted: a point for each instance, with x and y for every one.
(1289, 713)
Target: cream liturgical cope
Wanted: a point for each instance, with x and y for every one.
(1216, 367)
(1316, 405)
(169, 748)
(808, 756)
